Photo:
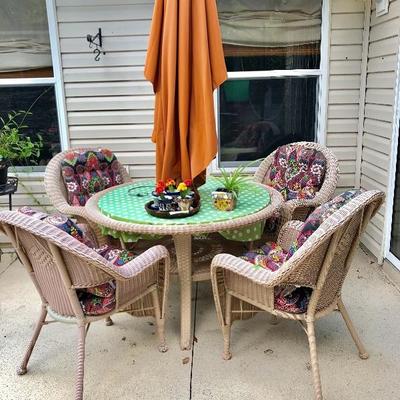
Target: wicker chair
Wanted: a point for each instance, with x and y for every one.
(57, 192)
(298, 209)
(59, 266)
(321, 263)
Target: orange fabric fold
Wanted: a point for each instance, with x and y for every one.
(185, 63)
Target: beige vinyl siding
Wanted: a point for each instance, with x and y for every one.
(379, 114)
(108, 101)
(347, 24)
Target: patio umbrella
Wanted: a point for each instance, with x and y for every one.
(185, 63)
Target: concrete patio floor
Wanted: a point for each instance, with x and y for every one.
(269, 361)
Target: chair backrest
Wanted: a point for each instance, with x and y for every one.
(85, 171)
(323, 261)
(58, 263)
(300, 170)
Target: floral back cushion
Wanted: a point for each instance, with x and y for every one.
(61, 222)
(95, 300)
(318, 216)
(88, 172)
(297, 172)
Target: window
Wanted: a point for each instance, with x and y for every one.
(27, 80)
(273, 57)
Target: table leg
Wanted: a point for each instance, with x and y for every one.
(183, 248)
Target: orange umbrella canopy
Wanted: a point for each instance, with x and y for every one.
(185, 63)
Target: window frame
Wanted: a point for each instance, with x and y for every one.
(56, 81)
(322, 73)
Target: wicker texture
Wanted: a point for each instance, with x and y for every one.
(59, 265)
(299, 209)
(321, 263)
(182, 235)
(57, 193)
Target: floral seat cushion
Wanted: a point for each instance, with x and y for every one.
(95, 300)
(88, 172)
(286, 298)
(271, 256)
(100, 299)
(297, 172)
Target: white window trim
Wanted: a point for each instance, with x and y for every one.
(387, 231)
(57, 71)
(322, 86)
(56, 81)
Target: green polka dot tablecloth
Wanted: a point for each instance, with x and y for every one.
(126, 203)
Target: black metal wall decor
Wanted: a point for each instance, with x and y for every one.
(97, 42)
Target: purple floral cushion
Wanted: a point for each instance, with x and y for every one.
(319, 215)
(88, 172)
(286, 298)
(297, 172)
(61, 222)
(271, 256)
(67, 225)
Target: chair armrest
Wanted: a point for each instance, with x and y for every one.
(288, 233)
(300, 208)
(243, 268)
(145, 260)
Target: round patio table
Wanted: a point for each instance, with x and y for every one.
(119, 211)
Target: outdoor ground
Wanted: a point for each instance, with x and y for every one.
(269, 361)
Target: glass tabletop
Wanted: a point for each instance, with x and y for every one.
(126, 203)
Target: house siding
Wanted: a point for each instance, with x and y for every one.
(379, 115)
(108, 101)
(346, 45)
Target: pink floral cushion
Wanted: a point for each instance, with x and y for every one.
(88, 172)
(271, 256)
(297, 172)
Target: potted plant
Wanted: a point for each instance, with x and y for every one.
(185, 198)
(14, 147)
(226, 196)
(168, 196)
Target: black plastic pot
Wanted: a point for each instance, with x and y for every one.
(3, 173)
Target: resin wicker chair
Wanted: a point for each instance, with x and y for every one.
(57, 192)
(298, 209)
(59, 266)
(321, 263)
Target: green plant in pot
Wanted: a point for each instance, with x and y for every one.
(225, 197)
(15, 148)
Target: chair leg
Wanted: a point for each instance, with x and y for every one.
(226, 329)
(22, 369)
(109, 321)
(314, 360)
(81, 362)
(159, 322)
(362, 352)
